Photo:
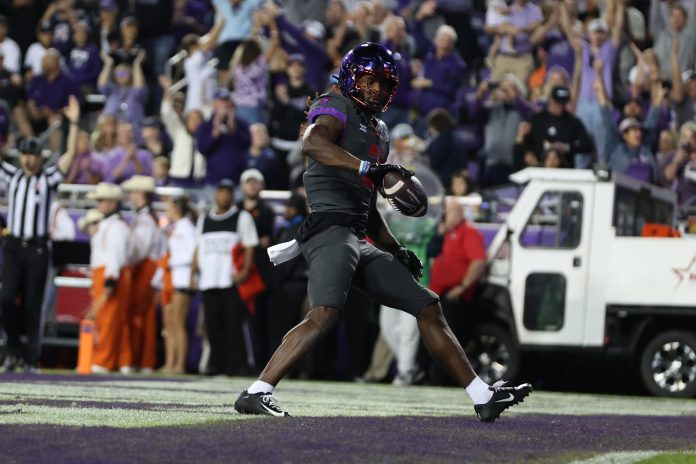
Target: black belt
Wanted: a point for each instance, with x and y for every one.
(26, 242)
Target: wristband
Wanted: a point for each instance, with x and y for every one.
(364, 167)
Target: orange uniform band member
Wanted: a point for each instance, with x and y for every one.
(111, 283)
(146, 247)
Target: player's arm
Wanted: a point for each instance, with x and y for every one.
(378, 231)
(320, 144)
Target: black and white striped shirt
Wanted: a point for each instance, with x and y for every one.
(29, 199)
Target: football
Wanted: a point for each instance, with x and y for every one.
(405, 194)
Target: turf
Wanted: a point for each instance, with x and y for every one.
(66, 418)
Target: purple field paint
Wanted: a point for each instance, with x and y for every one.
(521, 438)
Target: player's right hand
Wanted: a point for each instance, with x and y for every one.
(376, 172)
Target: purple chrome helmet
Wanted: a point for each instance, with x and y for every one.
(374, 59)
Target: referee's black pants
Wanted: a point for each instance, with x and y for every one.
(24, 272)
(223, 322)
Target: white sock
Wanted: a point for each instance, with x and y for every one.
(478, 391)
(260, 387)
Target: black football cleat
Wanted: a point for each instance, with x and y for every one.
(503, 397)
(259, 403)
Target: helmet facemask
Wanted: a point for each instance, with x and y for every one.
(364, 93)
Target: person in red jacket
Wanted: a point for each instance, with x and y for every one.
(462, 260)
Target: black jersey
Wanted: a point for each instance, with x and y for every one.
(334, 190)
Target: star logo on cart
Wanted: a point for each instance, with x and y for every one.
(686, 274)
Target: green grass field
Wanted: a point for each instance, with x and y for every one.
(59, 415)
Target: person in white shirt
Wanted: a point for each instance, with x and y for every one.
(111, 282)
(9, 48)
(219, 232)
(182, 245)
(187, 166)
(37, 50)
(199, 73)
(146, 246)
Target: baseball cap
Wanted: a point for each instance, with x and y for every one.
(688, 75)
(315, 29)
(221, 93)
(629, 123)
(30, 146)
(225, 184)
(251, 174)
(561, 94)
(598, 24)
(296, 58)
(401, 131)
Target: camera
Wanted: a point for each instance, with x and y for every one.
(686, 147)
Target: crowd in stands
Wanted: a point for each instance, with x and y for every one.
(194, 93)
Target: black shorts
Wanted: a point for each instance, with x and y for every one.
(339, 260)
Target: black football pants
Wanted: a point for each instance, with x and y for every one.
(24, 272)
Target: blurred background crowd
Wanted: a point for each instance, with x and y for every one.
(193, 93)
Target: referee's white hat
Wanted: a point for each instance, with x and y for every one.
(139, 184)
(106, 191)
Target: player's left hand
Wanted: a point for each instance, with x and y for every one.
(410, 260)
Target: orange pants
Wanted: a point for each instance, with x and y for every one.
(111, 351)
(143, 321)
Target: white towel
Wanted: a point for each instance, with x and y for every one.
(283, 252)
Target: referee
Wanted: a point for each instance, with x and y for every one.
(30, 189)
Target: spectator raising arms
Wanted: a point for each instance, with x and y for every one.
(628, 149)
(513, 26)
(670, 20)
(199, 74)
(126, 96)
(187, 163)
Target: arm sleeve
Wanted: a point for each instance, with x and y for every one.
(7, 170)
(331, 105)
(651, 127)
(609, 139)
(204, 138)
(247, 230)
(117, 251)
(53, 176)
(170, 119)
